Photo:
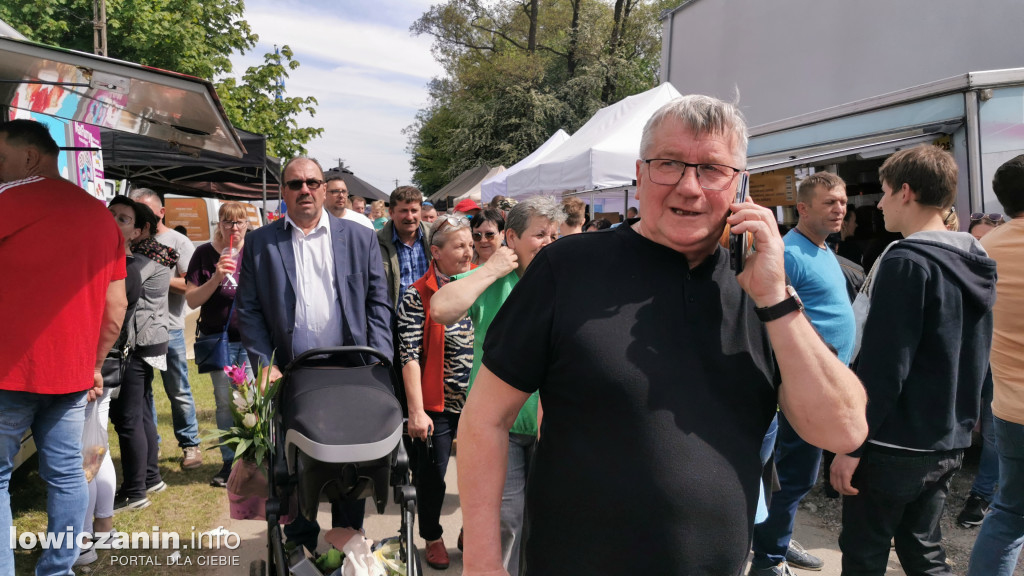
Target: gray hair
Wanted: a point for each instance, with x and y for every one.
(141, 194)
(543, 206)
(284, 167)
(702, 115)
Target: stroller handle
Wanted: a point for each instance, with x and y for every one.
(337, 350)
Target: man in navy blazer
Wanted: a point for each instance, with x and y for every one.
(311, 280)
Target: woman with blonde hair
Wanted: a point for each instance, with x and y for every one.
(379, 214)
(210, 285)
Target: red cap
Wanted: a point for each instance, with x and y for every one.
(466, 205)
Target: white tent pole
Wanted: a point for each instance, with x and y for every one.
(625, 202)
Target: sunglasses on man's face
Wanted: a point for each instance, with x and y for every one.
(311, 183)
(478, 236)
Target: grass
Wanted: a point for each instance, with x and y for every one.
(188, 502)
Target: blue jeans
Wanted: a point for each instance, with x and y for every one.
(796, 463)
(57, 421)
(988, 467)
(222, 393)
(183, 407)
(513, 498)
(767, 447)
(1002, 534)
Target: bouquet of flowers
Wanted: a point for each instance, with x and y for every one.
(251, 409)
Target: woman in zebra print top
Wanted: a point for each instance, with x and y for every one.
(436, 364)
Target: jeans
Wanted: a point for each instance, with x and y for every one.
(988, 467)
(136, 430)
(902, 496)
(57, 422)
(430, 466)
(183, 407)
(1002, 534)
(222, 393)
(513, 498)
(767, 448)
(796, 463)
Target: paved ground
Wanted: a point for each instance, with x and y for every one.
(810, 532)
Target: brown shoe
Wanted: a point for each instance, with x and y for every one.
(192, 459)
(437, 555)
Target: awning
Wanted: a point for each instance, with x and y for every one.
(868, 147)
(113, 94)
(359, 187)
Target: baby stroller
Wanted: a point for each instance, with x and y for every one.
(337, 435)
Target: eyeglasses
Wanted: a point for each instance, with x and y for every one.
(710, 176)
(124, 219)
(334, 192)
(232, 224)
(454, 221)
(311, 183)
(993, 216)
(478, 236)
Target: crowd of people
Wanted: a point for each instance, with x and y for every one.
(668, 419)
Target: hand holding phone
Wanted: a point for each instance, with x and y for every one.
(738, 243)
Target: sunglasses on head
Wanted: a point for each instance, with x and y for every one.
(311, 183)
(994, 216)
(478, 236)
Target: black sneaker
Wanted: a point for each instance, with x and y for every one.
(220, 480)
(122, 503)
(797, 557)
(157, 488)
(974, 511)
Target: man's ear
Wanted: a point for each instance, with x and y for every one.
(32, 159)
(801, 209)
(908, 194)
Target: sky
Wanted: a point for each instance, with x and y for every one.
(368, 73)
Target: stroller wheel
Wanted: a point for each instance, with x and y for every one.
(258, 568)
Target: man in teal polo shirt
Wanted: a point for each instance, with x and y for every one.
(480, 293)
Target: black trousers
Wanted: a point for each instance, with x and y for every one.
(136, 430)
(902, 496)
(429, 468)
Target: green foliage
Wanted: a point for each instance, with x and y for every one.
(258, 104)
(195, 37)
(503, 95)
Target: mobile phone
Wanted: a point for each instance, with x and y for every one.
(738, 243)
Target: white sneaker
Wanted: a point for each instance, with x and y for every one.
(87, 557)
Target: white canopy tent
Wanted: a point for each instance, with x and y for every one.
(602, 154)
(495, 185)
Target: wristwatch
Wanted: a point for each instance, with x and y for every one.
(787, 306)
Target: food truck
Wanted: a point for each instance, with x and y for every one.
(840, 86)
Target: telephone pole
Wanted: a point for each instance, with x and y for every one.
(99, 27)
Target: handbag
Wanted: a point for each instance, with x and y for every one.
(115, 365)
(212, 349)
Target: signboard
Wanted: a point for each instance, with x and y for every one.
(254, 216)
(774, 188)
(190, 213)
(87, 159)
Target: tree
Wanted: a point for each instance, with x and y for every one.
(258, 104)
(517, 70)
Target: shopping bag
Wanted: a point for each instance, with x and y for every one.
(94, 441)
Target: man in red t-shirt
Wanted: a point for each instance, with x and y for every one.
(61, 317)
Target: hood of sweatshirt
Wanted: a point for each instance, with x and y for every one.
(962, 259)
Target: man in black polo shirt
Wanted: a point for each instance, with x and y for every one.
(657, 385)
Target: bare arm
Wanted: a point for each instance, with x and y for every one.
(178, 284)
(419, 420)
(196, 296)
(489, 413)
(110, 328)
(451, 302)
(820, 396)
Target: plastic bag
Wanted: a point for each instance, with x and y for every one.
(94, 441)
